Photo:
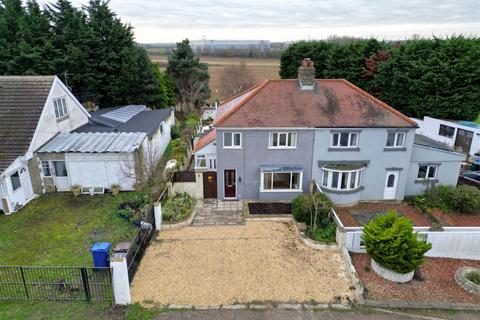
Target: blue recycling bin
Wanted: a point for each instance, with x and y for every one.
(99, 252)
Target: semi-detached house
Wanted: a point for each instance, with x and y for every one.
(271, 141)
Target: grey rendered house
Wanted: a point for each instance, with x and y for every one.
(274, 139)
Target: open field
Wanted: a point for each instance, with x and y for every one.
(261, 68)
(59, 229)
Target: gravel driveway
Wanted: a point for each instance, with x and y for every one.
(256, 262)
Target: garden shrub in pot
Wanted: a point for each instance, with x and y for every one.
(391, 242)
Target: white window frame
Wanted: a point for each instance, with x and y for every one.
(233, 146)
(447, 127)
(328, 174)
(426, 178)
(46, 165)
(55, 170)
(350, 134)
(300, 189)
(198, 158)
(291, 135)
(395, 140)
(19, 181)
(60, 107)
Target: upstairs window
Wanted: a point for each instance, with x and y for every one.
(345, 139)
(427, 172)
(446, 131)
(232, 140)
(60, 106)
(282, 140)
(396, 139)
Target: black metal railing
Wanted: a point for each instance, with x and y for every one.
(137, 250)
(55, 283)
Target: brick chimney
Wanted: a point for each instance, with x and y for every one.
(306, 74)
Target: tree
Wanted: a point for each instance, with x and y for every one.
(236, 78)
(189, 75)
(391, 242)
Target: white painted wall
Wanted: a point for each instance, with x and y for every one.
(21, 195)
(194, 189)
(100, 169)
(210, 153)
(430, 127)
(48, 126)
(448, 169)
(460, 243)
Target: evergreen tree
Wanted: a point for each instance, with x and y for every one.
(189, 75)
(12, 15)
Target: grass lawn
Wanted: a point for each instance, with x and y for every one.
(58, 229)
(74, 311)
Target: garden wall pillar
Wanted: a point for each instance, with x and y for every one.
(120, 281)
(157, 209)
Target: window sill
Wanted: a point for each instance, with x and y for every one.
(282, 190)
(282, 148)
(424, 181)
(237, 148)
(344, 149)
(339, 191)
(395, 149)
(62, 118)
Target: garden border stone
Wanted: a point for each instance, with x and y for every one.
(390, 274)
(353, 275)
(421, 305)
(464, 283)
(185, 223)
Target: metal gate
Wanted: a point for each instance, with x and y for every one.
(55, 283)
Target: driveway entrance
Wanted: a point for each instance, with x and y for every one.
(256, 262)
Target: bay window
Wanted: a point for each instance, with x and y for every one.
(344, 139)
(341, 179)
(281, 181)
(282, 140)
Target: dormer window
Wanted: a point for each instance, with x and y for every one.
(60, 106)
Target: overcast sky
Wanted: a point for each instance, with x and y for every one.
(283, 20)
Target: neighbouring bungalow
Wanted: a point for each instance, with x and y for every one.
(48, 141)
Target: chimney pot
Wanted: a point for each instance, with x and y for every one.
(306, 74)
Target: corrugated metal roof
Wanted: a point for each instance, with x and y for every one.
(94, 142)
(124, 114)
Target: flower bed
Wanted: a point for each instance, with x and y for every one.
(438, 285)
(177, 208)
(456, 219)
(270, 208)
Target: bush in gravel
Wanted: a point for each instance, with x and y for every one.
(462, 199)
(177, 208)
(391, 242)
(473, 276)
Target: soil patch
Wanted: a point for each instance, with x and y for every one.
(272, 208)
(457, 219)
(359, 214)
(438, 285)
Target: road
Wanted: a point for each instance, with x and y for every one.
(277, 314)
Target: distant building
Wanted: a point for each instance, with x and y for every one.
(213, 45)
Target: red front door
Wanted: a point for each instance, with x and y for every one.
(230, 180)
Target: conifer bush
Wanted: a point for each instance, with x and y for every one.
(391, 242)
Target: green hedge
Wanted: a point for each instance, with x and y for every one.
(461, 199)
(391, 241)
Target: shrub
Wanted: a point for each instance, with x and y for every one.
(175, 131)
(178, 207)
(303, 208)
(473, 276)
(462, 199)
(391, 242)
(325, 233)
